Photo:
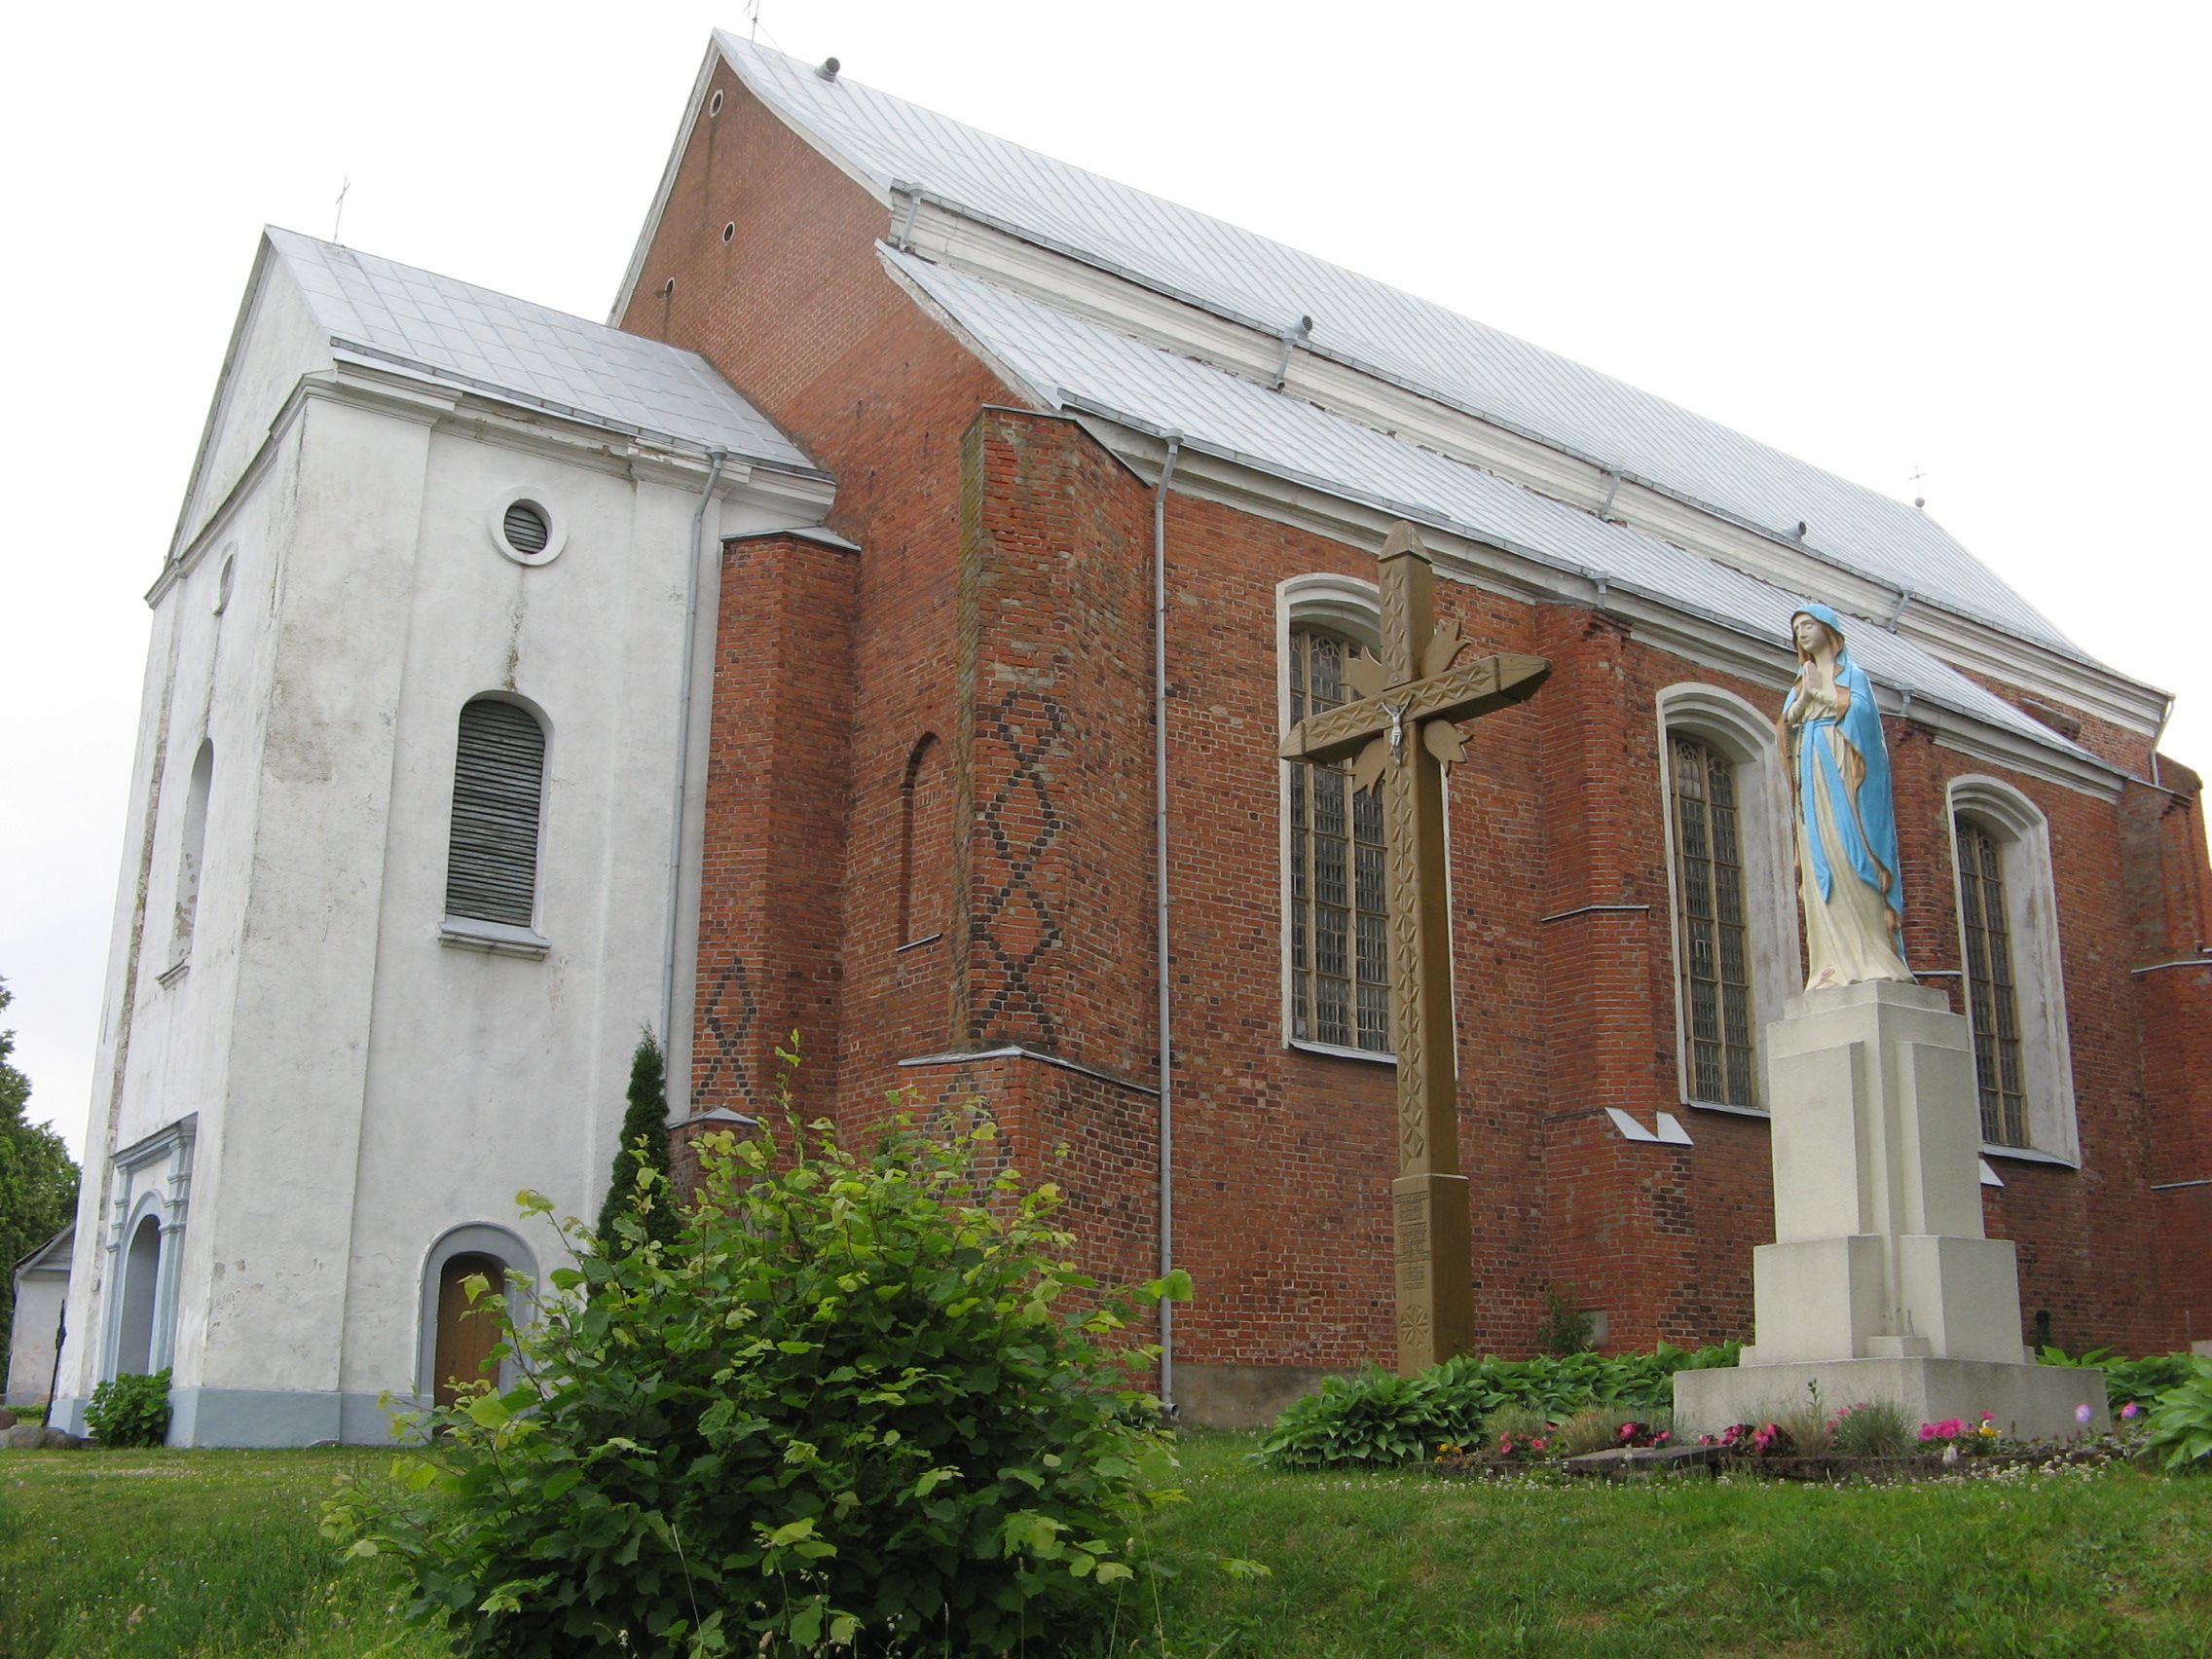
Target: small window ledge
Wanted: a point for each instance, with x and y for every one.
(1758, 1112)
(499, 939)
(918, 943)
(2028, 1155)
(1337, 1051)
(174, 971)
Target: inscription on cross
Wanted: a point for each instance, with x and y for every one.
(1400, 738)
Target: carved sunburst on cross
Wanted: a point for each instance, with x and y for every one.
(1366, 676)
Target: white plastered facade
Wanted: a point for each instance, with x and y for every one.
(359, 1083)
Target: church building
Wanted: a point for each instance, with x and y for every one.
(885, 629)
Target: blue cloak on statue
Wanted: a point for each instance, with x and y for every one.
(1864, 815)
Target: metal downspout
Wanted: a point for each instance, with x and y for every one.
(1160, 887)
(714, 458)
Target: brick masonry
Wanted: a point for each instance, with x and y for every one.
(930, 833)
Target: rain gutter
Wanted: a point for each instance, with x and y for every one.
(1160, 888)
(714, 460)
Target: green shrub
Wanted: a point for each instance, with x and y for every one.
(2178, 1431)
(1566, 1326)
(2139, 1379)
(1381, 1419)
(854, 1402)
(1871, 1429)
(132, 1409)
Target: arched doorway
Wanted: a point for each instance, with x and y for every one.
(466, 1332)
(141, 1274)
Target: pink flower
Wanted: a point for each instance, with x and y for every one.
(2129, 1411)
(1665, 1435)
(1988, 1416)
(1537, 1445)
(1926, 1432)
(2081, 1413)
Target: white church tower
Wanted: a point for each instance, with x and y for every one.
(401, 874)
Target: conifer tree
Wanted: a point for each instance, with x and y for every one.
(645, 1121)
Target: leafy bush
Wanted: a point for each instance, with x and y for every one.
(2140, 1379)
(1379, 1418)
(132, 1409)
(1566, 1326)
(852, 1403)
(2178, 1430)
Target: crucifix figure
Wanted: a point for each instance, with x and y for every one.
(1400, 738)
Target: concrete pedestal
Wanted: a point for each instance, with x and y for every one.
(1880, 1285)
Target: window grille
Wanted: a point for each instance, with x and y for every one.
(1993, 1008)
(498, 783)
(1713, 950)
(1340, 964)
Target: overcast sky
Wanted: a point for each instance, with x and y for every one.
(1959, 241)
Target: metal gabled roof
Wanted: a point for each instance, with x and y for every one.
(528, 353)
(1069, 362)
(1372, 326)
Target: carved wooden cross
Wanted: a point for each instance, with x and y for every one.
(1400, 737)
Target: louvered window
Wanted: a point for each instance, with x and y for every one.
(497, 786)
(526, 529)
(1993, 1002)
(1340, 963)
(1712, 945)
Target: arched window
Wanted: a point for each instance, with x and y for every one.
(1729, 866)
(499, 787)
(1713, 950)
(925, 844)
(1336, 929)
(192, 850)
(2015, 994)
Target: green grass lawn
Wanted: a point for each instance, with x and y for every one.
(185, 1553)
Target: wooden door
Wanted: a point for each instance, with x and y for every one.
(466, 1334)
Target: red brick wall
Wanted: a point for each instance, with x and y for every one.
(1001, 603)
(771, 912)
(798, 312)
(1051, 776)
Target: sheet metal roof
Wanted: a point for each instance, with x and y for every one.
(1066, 361)
(488, 342)
(1387, 332)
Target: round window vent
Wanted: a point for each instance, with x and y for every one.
(526, 529)
(729, 232)
(715, 104)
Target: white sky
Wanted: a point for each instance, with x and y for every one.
(1964, 240)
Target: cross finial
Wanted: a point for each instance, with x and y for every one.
(339, 218)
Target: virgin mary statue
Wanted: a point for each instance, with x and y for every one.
(1847, 833)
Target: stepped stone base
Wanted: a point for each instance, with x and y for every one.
(2029, 1402)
